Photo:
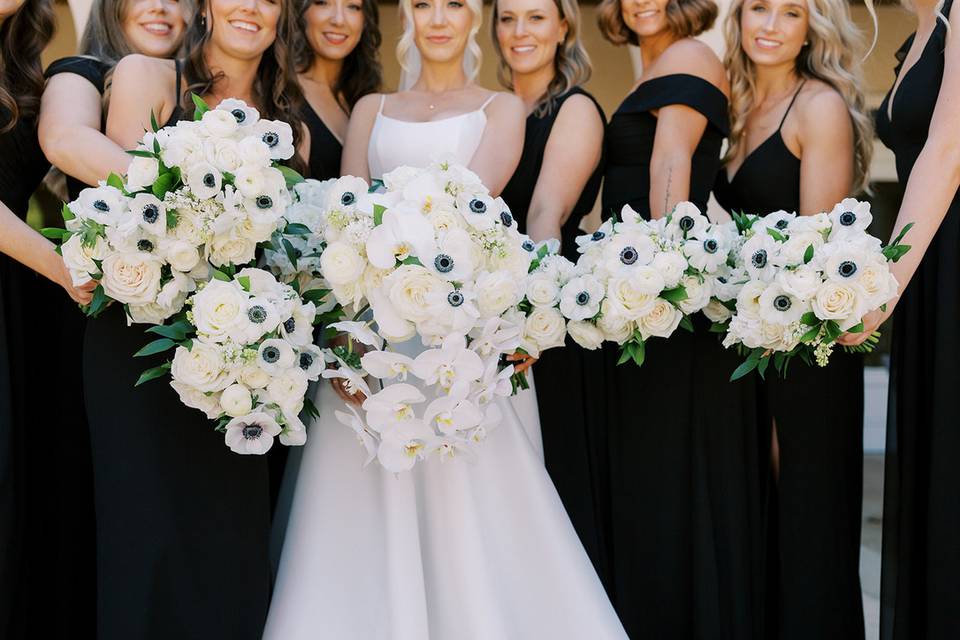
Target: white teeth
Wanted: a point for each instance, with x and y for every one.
(245, 26)
(523, 49)
(159, 28)
(770, 44)
(336, 38)
(646, 14)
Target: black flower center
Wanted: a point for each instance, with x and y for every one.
(506, 218)
(100, 205)
(150, 213)
(257, 314)
(782, 224)
(847, 268)
(528, 245)
(252, 431)
(348, 198)
(264, 202)
(782, 303)
(290, 325)
(759, 259)
(209, 180)
(145, 245)
(271, 354)
(628, 255)
(597, 236)
(455, 298)
(239, 115)
(271, 139)
(443, 263)
(722, 280)
(686, 223)
(711, 245)
(847, 218)
(478, 206)
(306, 360)
(583, 298)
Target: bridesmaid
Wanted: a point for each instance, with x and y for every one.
(543, 61)
(30, 547)
(183, 523)
(919, 121)
(684, 474)
(337, 51)
(71, 117)
(798, 113)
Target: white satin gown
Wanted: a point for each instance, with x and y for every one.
(462, 549)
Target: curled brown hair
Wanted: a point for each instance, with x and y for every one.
(275, 87)
(23, 37)
(687, 18)
(571, 64)
(361, 73)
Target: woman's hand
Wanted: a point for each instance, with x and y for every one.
(871, 322)
(343, 385)
(82, 294)
(522, 361)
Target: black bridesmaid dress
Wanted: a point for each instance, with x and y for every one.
(814, 509)
(325, 148)
(569, 381)
(182, 522)
(683, 453)
(919, 595)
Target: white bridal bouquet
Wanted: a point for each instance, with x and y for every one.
(637, 279)
(807, 280)
(199, 193)
(430, 254)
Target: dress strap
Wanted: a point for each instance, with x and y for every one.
(790, 106)
(488, 101)
(176, 66)
(383, 99)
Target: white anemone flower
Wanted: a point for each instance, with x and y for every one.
(454, 258)
(627, 251)
(244, 114)
(252, 433)
(276, 356)
(777, 306)
(581, 297)
(849, 218)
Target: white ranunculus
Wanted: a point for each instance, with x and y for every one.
(220, 310)
(748, 300)
(252, 433)
(142, 173)
(181, 256)
(716, 311)
(698, 294)
(218, 123)
(276, 356)
(255, 155)
(236, 400)
(801, 282)
(131, 278)
(840, 301)
(226, 155)
(174, 292)
(661, 321)
(546, 328)
(288, 389)
(201, 367)
(615, 327)
(627, 301)
(496, 292)
(149, 313)
(792, 251)
(253, 377)
(415, 293)
(585, 334)
(542, 290)
(231, 250)
(191, 397)
(80, 259)
(647, 279)
(580, 298)
(670, 265)
(341, 263)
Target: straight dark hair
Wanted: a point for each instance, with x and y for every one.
(23, 37)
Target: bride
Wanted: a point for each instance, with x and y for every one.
(457, 550)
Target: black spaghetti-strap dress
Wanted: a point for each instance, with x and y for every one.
(325, 148)
(569, 381)
(182, 522)
(683, 452)
(920, 595)
(814, 511)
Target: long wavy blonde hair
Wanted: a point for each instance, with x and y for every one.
(833, 55)
(409, 56)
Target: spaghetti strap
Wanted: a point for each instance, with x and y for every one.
(790, 106)
(488, 101)
(176, 65)
(383, 99)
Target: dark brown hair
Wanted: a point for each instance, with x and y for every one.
(361, 73)
(686, 18)
(23, 37)
(275, 87)
(104, 38)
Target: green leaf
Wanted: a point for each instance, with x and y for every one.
(412, 260)
(686, 323)
(201, 106)
(675, 295)
(156, 149)
(140, 153)
(315, 296)
(810, 319)
(749, 365)
(98, 303)
(858, 328)
(624, 354)
(762, 367)
(176, 331)
(290, 176)
(902, 233)
(165, 182)
(291, 252)
(808, 255)
(157, 346)
(55, 233)
(779, 237)
(66, 213)
(172, 218)
(297, 229)
(244, 282)
(810, 335)
(152, 374)
(310, 409)
(154, 126)
(220, 275)
(115, 181)
(833, 330)
(639, 353)
(378, 211)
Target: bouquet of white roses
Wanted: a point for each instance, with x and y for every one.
(637, 279)
(200, 193)
(808, 279)
(244, 355)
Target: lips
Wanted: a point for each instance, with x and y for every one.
(158, 28)
(335, 38)
(522, 49)
(242, 25)
(438, 39)
(645, 15)
(766, 43)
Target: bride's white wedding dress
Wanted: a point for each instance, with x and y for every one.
(457, 550)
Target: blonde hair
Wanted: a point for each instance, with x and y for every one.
(831, 56)
(409, 56)
(571, 64)
(687, 18)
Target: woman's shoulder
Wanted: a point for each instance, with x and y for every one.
(503, 103)
(692, 58)
(819, 104)
(579, 106)
(145, 68)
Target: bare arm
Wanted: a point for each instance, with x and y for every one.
(141, 85)
(933, 182)
(69, 130)
(19, 241)
(826, 161)
(499, 152)
(354, 161)
(571, 155)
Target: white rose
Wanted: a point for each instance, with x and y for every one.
(131, 278)
(231, 249)
(698, 294)
(616, 328)
(190, 227)
(288, 389)
(793, 250)
(802, 282)
(840, 301)
(226, 155)
(201, 367)
(661, 321)
(253, 377)
(716, 311)
(748, 300)
(341, 263)
(670, 265)
(218, 123)
(236, 400)
(142, 173)
(878, 283)
(220, 310)
(496, 292)
(546, 328)
(627, 301)
(80, 259)
(254, 154)
(542, 290)
(196, 399)
(181, 255)
(585, 334)
(149, 313)
(413, 292)
(646, 279)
